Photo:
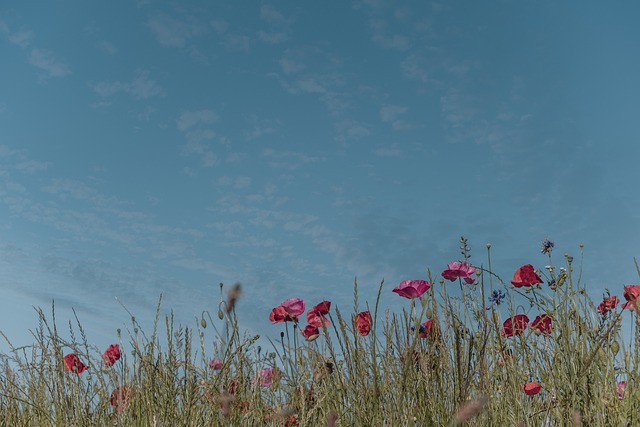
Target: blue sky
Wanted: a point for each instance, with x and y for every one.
(150, 147)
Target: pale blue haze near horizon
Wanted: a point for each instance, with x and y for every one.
(164, 147)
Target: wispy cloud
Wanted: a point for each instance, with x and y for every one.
(196, 127)
(108, 47)
(290, 160)
(47, 61)
(141, 87)
(174, 32)
(22, 38)
(189, 119)
(230, 40)
(278, 31)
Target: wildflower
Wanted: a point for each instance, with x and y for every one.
(216, 364)
(525, 276)
(608, 304)
(279, 314)
(72, 363)
(412, 288)
(542, 323)
(620, 389)
(317, 320)
(547, 246)
(288, 311)
(121, 397)
(316, 316)
(496, 297)
(631, 294)
(363, 323)
(532, 388)
(427, 329)
(267, 376)
(310, 333)
(322, 308)
(291, 421)
(111, 355)
(460, 270)
(515, 325)
(293, 306)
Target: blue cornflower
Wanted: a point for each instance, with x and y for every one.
(421, 330)
(547, 246)
(496, 297)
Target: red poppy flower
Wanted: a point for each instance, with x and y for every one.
(121, 397)
(111, 355)
(542, 323)
(532, 388)
(363, 323)
(288, 311)
(525, 276)
(631, 294)
(608, 304)
(515, 325)
(322, 308)
(291, 421)
(412, 288)
(72, 363)
(279, 314)
(460, 270)
(310, 333)
(427, 329)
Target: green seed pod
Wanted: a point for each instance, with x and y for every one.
(429, 313)
(220, 314)
(203, 322)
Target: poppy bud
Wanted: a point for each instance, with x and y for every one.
(615, 347)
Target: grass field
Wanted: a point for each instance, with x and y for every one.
(471, 347)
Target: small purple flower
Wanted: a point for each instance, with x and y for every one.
(547, 246)
(496, 297)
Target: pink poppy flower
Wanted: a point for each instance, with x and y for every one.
(72, 363)
(363, 323)
(317, 320)
(459, 269)
(267, 376)
(293, 306)
(631, 294)
(316, 316)
(121, 397)
(111, 355)
(608, 304)
(412, 288)
(525, 276)
(216, 364)
(532, 388)
(515, 325)
(542, 323)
